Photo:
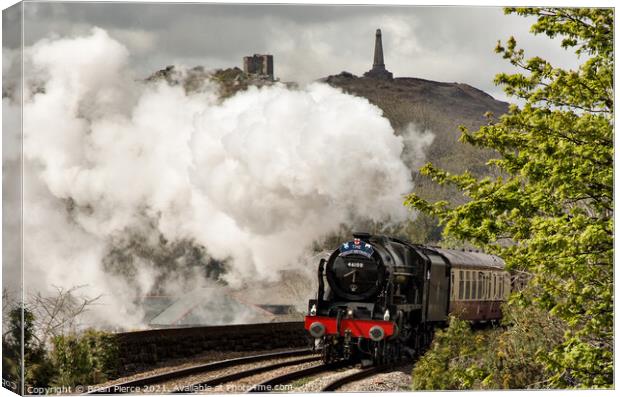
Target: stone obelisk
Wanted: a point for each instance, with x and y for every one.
(378, 63)
(378, 70)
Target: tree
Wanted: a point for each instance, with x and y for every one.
(38, 369)
(549, 210)
(55, 351)
(59, 313)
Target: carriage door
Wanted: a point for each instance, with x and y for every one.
(439, 288)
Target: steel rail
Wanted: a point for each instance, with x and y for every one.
(364, 373)
(268, 385)
(132, 385)
(208, 384)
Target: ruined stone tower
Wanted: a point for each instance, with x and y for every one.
(378, 70)
(259, 64)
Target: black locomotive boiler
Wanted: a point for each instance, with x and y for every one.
(384, 296)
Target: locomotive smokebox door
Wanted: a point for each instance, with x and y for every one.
(355, 271)
(354, 276)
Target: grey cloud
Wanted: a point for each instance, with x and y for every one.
(308, 41)
(11, 27)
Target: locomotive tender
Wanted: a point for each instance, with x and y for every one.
(385, 296)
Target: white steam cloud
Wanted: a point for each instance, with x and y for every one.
(254, 179)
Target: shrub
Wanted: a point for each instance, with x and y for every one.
(87, 358)
(39, 370)
(454, 361)
(499, 358)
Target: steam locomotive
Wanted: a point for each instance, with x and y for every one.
(385, 297)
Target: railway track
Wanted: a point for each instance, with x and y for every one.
(141, 384)
(362, 374)
(276, 383)
(211, 383)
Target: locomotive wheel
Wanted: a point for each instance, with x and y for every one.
(429, 332)
(381, 353)
(418, 340)
(422, 338)
(392, 352)
(431, 335)
(325, 354)
(329, 353)
(425, 340)
(398, 351)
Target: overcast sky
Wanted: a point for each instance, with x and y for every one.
(453, 44)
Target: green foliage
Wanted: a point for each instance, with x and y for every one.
(499, 358)
(517, 360)
(87, 358)
(446, 365)
(39, 370)
(11, 350)
(76, 359)
(11, 346)
(549, 210)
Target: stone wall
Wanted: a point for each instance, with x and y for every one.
(143, 349)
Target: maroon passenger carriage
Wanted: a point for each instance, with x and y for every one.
(384, 296)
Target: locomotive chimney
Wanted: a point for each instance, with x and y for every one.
(364, 236)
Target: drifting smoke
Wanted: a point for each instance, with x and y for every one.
(113, 165)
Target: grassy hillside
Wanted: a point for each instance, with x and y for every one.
(437, 107)
(430, 105)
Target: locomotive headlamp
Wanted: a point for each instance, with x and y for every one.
(313, 310)
(350, 313)
(317, 329)
(376, 333)
(386, 316)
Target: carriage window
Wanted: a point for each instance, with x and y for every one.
(485, 291)
(474, 292)
(480, 284)
(461, 284)
(452, 285)
(494, 286)
(474, 285)
(501, 286)
(489, 284)
(467, 284)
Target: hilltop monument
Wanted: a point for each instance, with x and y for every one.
(378, 70)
